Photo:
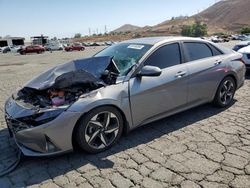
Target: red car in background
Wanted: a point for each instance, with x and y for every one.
(75, 46)
(32, 49)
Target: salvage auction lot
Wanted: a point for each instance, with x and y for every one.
(204, 146)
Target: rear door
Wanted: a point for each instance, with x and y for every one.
(205, 66)
(153, 97)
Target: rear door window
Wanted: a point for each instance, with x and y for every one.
(215, 50)
(195, 51)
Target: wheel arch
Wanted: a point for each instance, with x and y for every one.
(125, 126)
(231, 75)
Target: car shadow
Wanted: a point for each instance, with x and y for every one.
(36, 170)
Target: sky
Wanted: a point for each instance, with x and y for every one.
(64, 18)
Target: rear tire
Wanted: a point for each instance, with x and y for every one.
(99, 129)
(225, 93)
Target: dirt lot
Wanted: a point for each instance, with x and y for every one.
(202, 147)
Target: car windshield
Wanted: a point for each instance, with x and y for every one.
(125, 55)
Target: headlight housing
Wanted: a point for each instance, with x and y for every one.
(42, 117)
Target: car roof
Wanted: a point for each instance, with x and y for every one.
(244, 50)
(156, 40)
(243, 43)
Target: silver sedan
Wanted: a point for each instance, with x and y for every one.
(90, 102)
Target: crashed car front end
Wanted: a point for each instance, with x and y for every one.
(38, 115)
(47, 136)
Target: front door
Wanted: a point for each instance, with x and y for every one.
(153, 97)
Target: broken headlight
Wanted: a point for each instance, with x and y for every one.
(43, 117)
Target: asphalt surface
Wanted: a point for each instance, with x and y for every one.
(202, 147)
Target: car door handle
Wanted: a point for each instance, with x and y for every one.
(217, 63)
(180, 74)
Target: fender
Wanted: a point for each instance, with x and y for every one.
(110, 95)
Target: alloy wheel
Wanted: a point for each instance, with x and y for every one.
(227, 92)
(102, 130)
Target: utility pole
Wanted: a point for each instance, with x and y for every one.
(105, 29)
(89, 32)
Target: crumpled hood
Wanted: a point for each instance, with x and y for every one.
(92, 68)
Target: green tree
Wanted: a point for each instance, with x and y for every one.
(187, 30)
(245, 30)
(196, 30)
(199, 29)
(77, 35)
(136, 35)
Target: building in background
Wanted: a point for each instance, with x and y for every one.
(10, 41)
(39, 40)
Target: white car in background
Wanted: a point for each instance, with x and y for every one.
(240, 45)
(12, 49)
(246, 56)
(54, 46)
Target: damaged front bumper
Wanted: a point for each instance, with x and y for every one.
(51, 138)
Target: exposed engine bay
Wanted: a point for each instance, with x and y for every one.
(65, 84)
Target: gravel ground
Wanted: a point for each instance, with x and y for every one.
(202, 147)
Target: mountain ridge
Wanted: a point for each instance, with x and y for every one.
(223, 16)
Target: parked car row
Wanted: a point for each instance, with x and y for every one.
(244, 37)
(244, 49)
(32, 49)
(218, 39)
(54, 46)
(40, 49)
(74, 46)
(227, 38)
(13, 49)
(106, 43)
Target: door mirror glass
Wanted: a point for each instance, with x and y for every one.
(149, 71)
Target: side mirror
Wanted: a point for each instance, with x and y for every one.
(149, 71)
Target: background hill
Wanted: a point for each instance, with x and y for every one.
(228, 16)
(125, 28)
(225, 16)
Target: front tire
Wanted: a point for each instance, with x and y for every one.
(225, 93)
(99, 130)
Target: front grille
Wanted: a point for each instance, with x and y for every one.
(14, 124)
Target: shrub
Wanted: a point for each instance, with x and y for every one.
(196, 30)
(77, 35)
(245, 30)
